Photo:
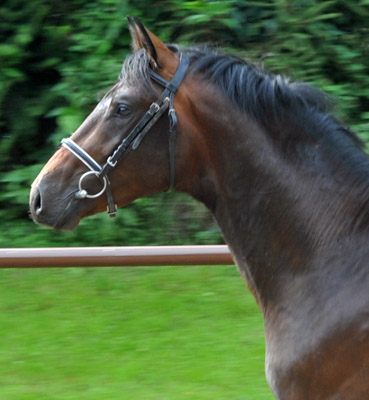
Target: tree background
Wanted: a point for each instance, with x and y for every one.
(58, 58)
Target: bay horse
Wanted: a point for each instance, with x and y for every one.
(287, 183)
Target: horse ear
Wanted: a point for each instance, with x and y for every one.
(161, 57)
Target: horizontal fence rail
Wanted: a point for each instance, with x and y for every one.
(114, 256)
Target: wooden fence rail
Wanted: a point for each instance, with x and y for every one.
(114, 256)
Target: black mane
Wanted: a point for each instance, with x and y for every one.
(275, 102)
(256, 91)
(269, 99)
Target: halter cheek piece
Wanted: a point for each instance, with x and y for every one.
(134, 138)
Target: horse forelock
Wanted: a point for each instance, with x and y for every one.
(135, 71)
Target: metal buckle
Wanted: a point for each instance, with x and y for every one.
(154, 107)
(112, 164)
(113, 213)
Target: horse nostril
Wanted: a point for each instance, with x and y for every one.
(37, 203)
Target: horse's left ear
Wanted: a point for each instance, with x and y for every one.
(162, 59)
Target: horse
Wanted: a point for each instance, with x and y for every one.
(287, 183)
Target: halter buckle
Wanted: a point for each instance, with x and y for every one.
(112, 213)
(154, 107)
(110, 162)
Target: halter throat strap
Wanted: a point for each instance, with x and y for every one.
(170, 90)
(133, 139)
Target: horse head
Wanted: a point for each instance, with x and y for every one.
(87, 173)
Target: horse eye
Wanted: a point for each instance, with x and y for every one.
(123, 109)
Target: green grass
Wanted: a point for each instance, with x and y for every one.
(136, 333)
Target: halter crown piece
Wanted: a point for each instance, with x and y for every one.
(134, 138)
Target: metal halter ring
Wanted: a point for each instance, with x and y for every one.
(83, 193)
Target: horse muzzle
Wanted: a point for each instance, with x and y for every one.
(44, 212)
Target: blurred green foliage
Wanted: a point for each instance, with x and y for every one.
(58, 58)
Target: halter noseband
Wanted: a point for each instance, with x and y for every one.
(134, 138)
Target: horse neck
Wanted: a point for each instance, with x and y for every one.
(278, 216)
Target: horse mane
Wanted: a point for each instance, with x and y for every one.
(275, 101)
(255, 90)
(266, 97)
(269, 99)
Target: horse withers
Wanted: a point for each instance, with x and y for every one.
(287, 183)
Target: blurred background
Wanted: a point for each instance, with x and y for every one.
(148, 333)
(58, 58)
